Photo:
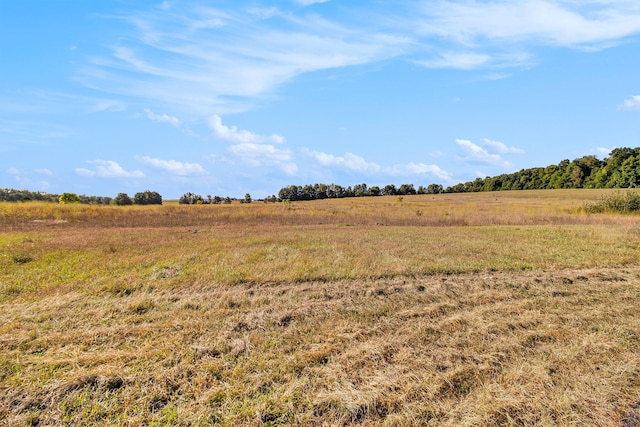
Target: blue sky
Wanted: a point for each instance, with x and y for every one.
(228, 97)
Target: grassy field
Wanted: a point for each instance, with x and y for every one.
(505, 309)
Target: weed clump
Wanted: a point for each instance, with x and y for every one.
(618, 202)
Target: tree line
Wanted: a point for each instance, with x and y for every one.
(196, 199)
(620, 170)
(122, 199)
(335, 191)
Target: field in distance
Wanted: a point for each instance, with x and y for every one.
(508, 308)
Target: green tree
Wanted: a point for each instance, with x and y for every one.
(191, 199)
(122, 199)
(247, 198)
(66, 198)
(360, 190)
(147, 198)
(406, 189)
(389, 190)
(434, 189)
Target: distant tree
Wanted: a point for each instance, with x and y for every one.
(360, 190)
(94, 200)
(335, 191)
(227, 200)
(389, 190)
(122, 199)
(434, 189)
(406, 189)
(12, 195)
(247, 198)
(147, 198)
(67, 198)
(191, 199)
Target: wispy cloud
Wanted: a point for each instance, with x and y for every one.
(162, 118)
(44, 172)
(632, 103)
(175, 167)
(540, 22)
(201, 60)
(456, 60)
(205, 60)
(504, 33)
(108, 169)
(32, 131)
(310, 2)
(233, 134)
(354, 163)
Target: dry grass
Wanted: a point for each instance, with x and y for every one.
(509, 309)
(499, 208)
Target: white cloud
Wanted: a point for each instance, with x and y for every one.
(419, 169)
(253, 148)
(265, 154)
(175, 167)
(108, 169)
(355, 163)
(233, 134)
(632, 103)
(477, 154)
(13, 171)
(162, 118)
(349, 161)
(501, 147)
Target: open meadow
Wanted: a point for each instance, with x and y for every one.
(484, 309)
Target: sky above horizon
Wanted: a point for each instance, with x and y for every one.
(233, 97)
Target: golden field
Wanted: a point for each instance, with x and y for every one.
(505, 309)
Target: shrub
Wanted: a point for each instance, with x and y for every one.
(618, 202)
(68, 198)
